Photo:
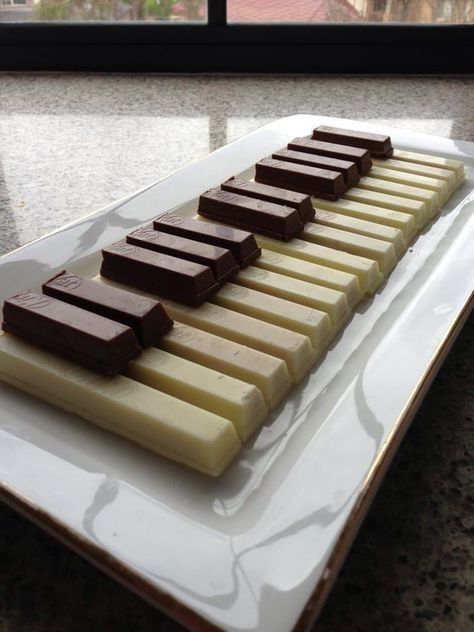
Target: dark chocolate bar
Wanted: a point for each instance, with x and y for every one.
(274, 220)
(178, 279)
(348, 169)
(379, 146)
(93, 341)
(328, 185)
(242, 244)
(301, 202)
(342, 152)
(146, 317)
(220, 260)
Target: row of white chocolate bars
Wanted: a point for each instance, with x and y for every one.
(213, 378)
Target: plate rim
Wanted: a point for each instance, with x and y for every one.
(377, 472)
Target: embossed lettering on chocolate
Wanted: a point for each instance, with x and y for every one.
(242, 244)
(93, 341)
(147, 318)
(379, 145)
(348, 169)
(323, 183)
(342, 152)
(170, 277)
(220, 260)
(274, 220)
(300, 201)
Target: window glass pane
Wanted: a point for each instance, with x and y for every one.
(418, 11)
(103, 10)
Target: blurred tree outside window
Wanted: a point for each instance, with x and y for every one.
(105, 10)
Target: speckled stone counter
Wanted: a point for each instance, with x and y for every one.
(72, 143)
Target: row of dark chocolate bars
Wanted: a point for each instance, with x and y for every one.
(188, 260)
(277, 203)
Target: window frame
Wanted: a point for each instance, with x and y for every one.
(216, 46)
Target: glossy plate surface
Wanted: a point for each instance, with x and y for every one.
(258, 548)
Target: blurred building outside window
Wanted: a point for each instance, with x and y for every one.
(417, 11)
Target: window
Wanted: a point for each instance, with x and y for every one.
(238, 11)
(415, 11)
(335, 36)
(104, 10)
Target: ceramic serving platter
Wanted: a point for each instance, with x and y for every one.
(258, 548)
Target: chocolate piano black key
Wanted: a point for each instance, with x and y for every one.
(147, 318)
(184, 281)
(274, 220)
(379, 145)
(348, 169)
(299, 201)
(220, 260)
(342, 152)
(242, 244)
(322, 183)
(93, 341)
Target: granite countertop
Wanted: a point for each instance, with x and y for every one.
(72, 143)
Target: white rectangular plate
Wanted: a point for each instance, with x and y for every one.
(259, 548)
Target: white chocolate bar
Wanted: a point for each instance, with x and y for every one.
(412, 179)
(392, 202)
(225, 396)
(295, 349)
(149, 417)
(366, 270)
(335, 258)
(312, 273)
(310, 322)
(363, 227)
(403, 221)
(380, 251)
(330, 301)
(267, 373)
(430, 198)
(421, 170)
(432, 161)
